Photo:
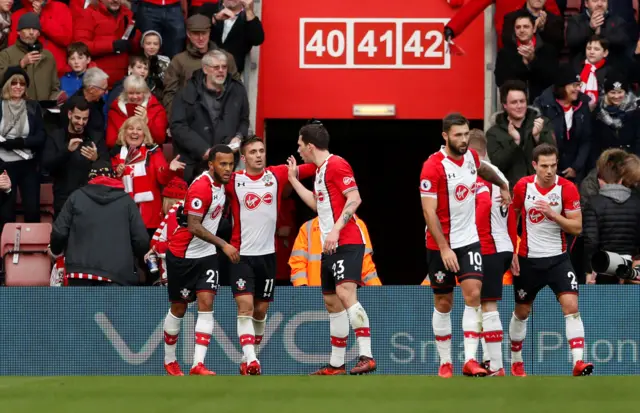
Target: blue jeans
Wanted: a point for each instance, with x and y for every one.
(166, 20)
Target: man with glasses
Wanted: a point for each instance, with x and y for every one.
(94, 86)
(196, 120)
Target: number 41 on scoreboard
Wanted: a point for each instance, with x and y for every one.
(327, 43)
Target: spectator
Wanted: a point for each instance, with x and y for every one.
(617, 120)
(624, 9)
(515, 133)
(548, 26)
(69, 153)
(5, 193)
(568, 111)
(197, 123)
(203, 7)
(5, 22)
(78, 59)
(136, 100)
(590, 187)
(593, 70)
(104, 255)
(77, 8)
(165, 17)
(236, 28)
(158, 64)
(94, 86)
(39, 64)
(21, 140)
(138, 65)
(631, 172)
(184, 64)
(56, 30)
(101, 28)
(529, 59)
(611, 220)
(596, 20)
(140, 163)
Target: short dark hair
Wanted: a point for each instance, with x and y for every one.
(512, 85)
(315, 133)
(609, 165)
(249, 140)
(597, 38)
(78, 47)
(544, 149)
(453, 119)
(77, 102)
(133, 59)
(220, 148)
(523, 14)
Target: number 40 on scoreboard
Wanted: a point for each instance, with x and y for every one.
(327, 43)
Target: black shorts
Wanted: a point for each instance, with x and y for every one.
(536, 273)
(495, 265)
(188, 276)
(254, 275)
(443, 280)
(345, 265)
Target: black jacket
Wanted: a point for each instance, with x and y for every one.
(552, 34)
(69, 170)
(193, 128)
(611, 222)
(574, 148)
(614, 29)
(616, 127)
(538, 74)
(36, 138)
(96, 125)
(100, 231)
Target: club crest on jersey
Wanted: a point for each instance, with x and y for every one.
(461, 192)
(554, 199)
(439, 277)
(471, 167)
(253, 200)
(348, 180)
(267, 179)
(196, 203)
(425, 184)
(522, 293)
(185, 293)
(241, 283)
(535, 216)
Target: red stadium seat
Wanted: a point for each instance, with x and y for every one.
(24, 251)
(46, 204)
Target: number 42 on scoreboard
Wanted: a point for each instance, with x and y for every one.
(327, 43)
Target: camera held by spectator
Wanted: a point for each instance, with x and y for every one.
(610, 263)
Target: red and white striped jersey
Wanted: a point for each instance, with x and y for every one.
(160, 239)
(204, 199)
(334, 180)
(496, 224)
(255, 201)
(453, 183)
(542, 237)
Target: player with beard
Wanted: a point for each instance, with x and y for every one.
(192, 261)
(447, 188)
(255, 194)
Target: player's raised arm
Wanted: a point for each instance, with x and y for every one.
(195, 226)
(304, 193)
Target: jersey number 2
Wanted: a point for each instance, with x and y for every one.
(213, 278)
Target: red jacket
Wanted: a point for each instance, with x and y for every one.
(56, 33)
(473, 8)
(76, 7)
(98, 28)
(155, 113)
(159, 173)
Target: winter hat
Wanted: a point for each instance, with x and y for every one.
(15, 70)
(566, 75)
(101, 168)
(29, 21)
(616, 81)
(198, 23)
(176, 189)
(150, 32)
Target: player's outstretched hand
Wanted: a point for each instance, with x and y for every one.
(331, 243)
(293, 168)
(231, 252)
(450, 260)
(515, 265)
(506, 197)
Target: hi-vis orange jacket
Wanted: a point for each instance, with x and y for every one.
(307, 252)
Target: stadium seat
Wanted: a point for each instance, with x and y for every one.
(167, 150)
(24, 251)
(46, 204)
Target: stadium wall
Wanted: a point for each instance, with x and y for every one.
(118, 331)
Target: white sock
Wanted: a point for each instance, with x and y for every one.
(485, 350)
(204, 328)
(517, 334)
(171, 331)
(575, 336)
(247, 337)
(258, 329)
(442, 330)
(339, 330)
(360, 324)
(492, 335)
(471, 326)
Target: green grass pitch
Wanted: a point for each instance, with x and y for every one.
(389, 394)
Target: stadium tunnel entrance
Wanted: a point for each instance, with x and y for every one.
(387, 157)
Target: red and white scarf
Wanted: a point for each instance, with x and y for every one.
(589, 80)
(135, 180)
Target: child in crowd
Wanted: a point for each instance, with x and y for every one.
(151, 43)
(138, 65)
(78, 59)
(594, 69)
